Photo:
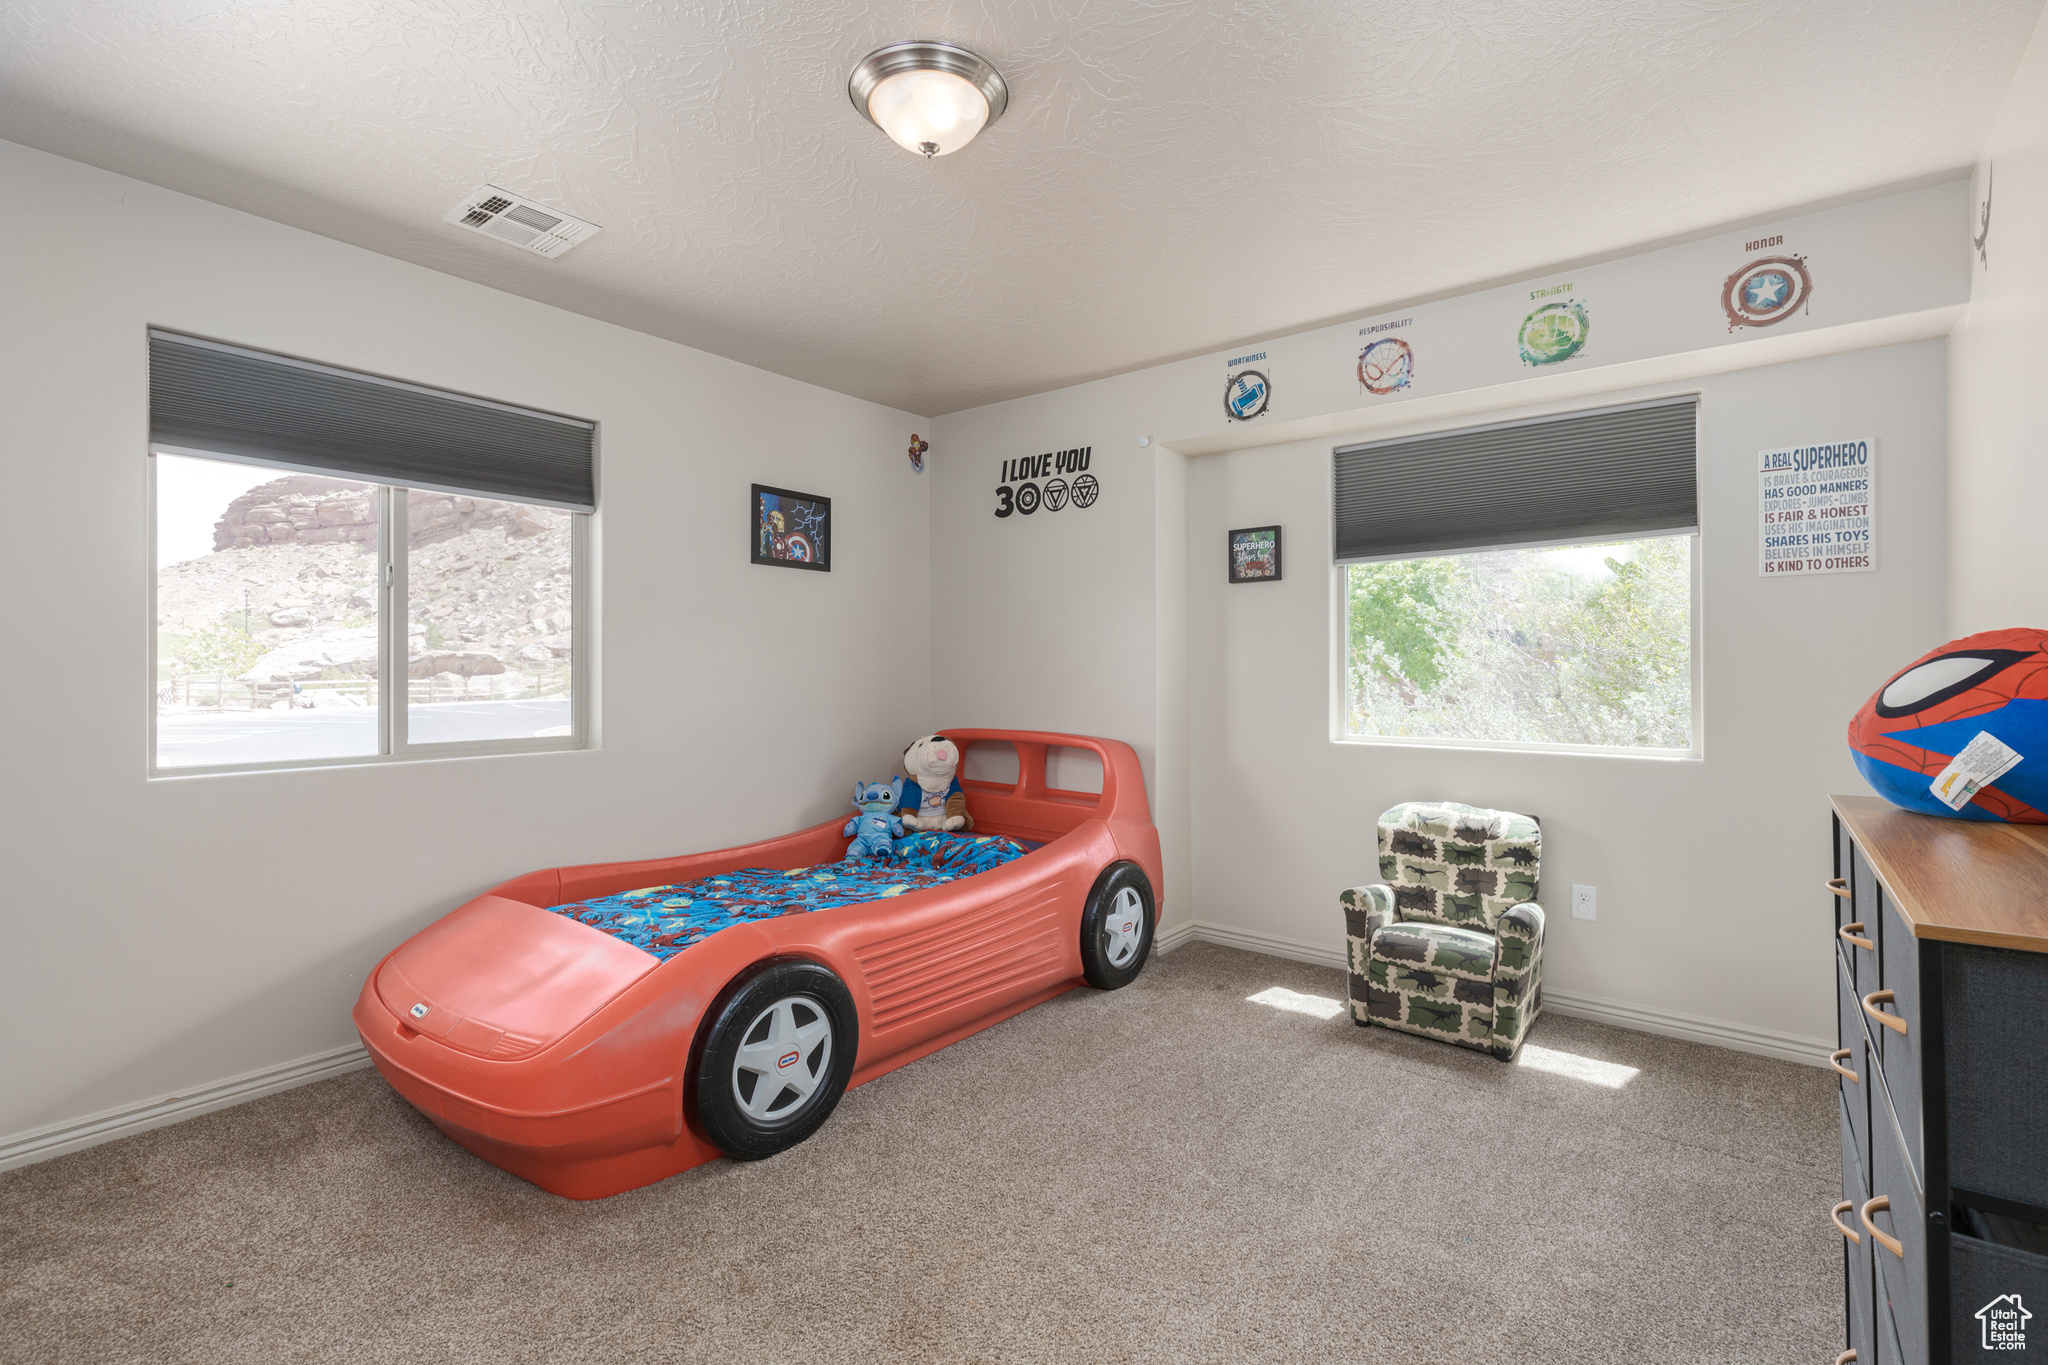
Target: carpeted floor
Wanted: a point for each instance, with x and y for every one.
(1169, 1173)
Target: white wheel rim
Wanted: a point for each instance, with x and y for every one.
(784, 1057)
(1123, 928)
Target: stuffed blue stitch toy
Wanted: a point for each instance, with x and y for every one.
(874, 828)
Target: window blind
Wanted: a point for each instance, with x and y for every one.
(1614, 473)
(225, 402)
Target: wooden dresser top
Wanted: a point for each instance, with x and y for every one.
(1962, 881)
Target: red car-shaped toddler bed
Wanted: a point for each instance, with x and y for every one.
(595, 1029)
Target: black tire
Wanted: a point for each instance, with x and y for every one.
(1102, 944)
(733, 1108)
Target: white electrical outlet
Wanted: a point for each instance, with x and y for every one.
(1585, 902)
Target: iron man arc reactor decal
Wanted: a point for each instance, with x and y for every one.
(1766, 291)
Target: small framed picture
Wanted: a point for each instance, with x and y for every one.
(1255, 555)
(792, 530)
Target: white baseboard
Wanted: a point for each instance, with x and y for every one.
(40, 1144)
(1166, 940)
(1788, 1047)
(1694, 1028)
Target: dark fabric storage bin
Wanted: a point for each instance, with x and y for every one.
(1981, 1273)
(1996, 1001)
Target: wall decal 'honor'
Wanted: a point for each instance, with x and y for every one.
(1555, 332)
(1767, 290)
(1386, 366)
(1245, 395)
(1030, 483)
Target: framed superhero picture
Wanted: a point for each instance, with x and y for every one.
(792, 530)
(1255, 555)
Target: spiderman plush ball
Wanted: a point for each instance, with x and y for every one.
(1906, 734)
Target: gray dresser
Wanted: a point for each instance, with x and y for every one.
(1941, 974)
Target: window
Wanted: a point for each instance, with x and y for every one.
(304, 616)
(1582, 645)
(1466, 620)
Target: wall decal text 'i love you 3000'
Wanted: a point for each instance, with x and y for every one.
(1034, 481)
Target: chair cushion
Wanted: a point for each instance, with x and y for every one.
(1432, 979)
(1458, 865)
(1441, 948)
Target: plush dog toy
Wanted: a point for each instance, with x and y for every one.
(874, 828)
(934, 798)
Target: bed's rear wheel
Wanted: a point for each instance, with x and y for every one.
(1116, 928)
(777, 1049)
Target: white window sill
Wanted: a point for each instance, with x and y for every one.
(422, 755)
(1506, 746)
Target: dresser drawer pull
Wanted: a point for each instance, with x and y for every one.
(1835, 1217)
(1845, 1357)
(1835, 1061)
(1840, 886)
(1890, 1021)
(1848, 937)
(1886, 1240)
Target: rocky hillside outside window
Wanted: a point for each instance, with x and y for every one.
(308, 618)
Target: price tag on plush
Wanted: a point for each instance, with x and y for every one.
(1983, 761)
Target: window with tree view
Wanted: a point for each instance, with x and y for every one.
(1579, 646)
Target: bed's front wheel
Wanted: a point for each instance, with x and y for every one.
(777, 1052)
(1116, 928)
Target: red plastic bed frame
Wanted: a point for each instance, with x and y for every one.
(558, 1052)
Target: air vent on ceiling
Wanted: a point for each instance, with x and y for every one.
(518, 221)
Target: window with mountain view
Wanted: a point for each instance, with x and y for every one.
(279, 640)
(1582, 646)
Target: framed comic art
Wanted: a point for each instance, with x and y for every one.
(791, 530)
(1255, 555)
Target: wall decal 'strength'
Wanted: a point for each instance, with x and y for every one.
(1036, 483)
(1766, 291)
(1555, 332)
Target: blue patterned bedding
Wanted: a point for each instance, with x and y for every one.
(664, 920)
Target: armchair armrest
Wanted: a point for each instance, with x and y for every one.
(1517, 970)
(1367, 908)
(1522, 925)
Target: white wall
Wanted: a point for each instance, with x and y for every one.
(159, 935)
(1709, 871)
(1047, 621)
(1998, 425)
(1109, 621)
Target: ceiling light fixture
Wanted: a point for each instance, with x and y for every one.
(930, 97)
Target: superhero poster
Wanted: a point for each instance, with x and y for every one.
(1816, 506)
(1255, 555)
(792, 530)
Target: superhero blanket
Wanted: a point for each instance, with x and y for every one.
(664, 920)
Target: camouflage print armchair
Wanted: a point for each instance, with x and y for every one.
(1452, 947)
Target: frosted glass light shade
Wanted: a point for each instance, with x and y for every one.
(928, 112)
(930, 97)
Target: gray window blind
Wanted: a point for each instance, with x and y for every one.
(1618, 472)
(223, 401)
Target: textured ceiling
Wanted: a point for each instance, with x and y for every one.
(1173, 176)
